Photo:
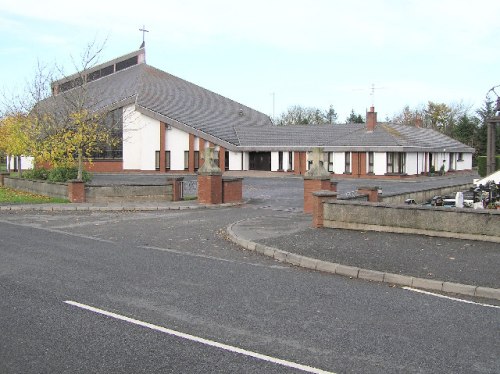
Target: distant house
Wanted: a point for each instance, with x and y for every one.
(166, 122)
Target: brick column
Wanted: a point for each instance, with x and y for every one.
(163, 132)
(176, 187)
(2, 176)
(312, 184)
(318, 199)
(210, 188)
(222, 158)
(372, 193)
(76, 191)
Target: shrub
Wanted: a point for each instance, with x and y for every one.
(38, 174)
(481, 165)
(64, 174)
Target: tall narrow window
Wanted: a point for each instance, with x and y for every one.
(186, 160)
(330, 162)
(347, 169)
(167, 160)
(290, 160)
(371, 162)
(196, 160)
(280, 161)
(226, 160)
(157, 160)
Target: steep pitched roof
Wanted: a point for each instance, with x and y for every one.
(171, 98)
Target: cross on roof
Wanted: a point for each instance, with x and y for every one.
(144, 31)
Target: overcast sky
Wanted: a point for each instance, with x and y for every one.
(299, 52)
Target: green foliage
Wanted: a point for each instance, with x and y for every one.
(354, 118)
(64, 174)
(298, 115)
(481, 165)
(38, 174)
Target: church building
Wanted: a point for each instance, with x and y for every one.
(166, 122)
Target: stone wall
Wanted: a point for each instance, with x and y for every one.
(116, 193)
(59, 190)
(434, 221)
(425, 195)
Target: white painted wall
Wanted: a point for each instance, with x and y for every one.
(235, 160)
(246, 161)
(379, 163)
(274, 161)
(338, 162)
(411, 163)
(466, 164)
(141, 138)
(27, 162)
(177, 143)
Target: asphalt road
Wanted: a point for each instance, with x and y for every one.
(174, 273)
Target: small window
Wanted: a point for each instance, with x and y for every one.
(330, 162)
(196, 160)
(371, 162)
(347, 169)
(186, 160)
(280, 161)
(290, 160)
(157, 160)
(167, 160)
(226, 160)
(460, 156)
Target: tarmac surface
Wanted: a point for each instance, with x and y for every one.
(457, 266)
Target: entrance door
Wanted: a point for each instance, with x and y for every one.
(260, 161)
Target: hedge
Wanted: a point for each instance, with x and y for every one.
(481, 165)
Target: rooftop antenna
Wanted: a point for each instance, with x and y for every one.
(372, 93)
(144, 31)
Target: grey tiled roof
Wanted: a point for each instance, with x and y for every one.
(352, 136)
(172, 98)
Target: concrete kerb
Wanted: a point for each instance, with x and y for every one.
(365, 274)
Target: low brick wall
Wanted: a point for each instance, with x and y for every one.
(115, 193)
(425, 195)
(95, 193)
(434, 221)
(232, 190)
(59, 190)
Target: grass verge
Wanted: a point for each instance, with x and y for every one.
(10, 196)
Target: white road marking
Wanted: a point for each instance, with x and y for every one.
(450, 298)
(197, 339)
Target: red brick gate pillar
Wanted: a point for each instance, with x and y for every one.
(76, 191)
(209, 180)
(318, 199)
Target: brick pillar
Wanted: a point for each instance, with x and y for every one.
(2, 176)
(318, 199)
(176, 187)
(163, 137)
(76, 191)
(312, 184)
(209, 188)
(222, 158)
(372, 193)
